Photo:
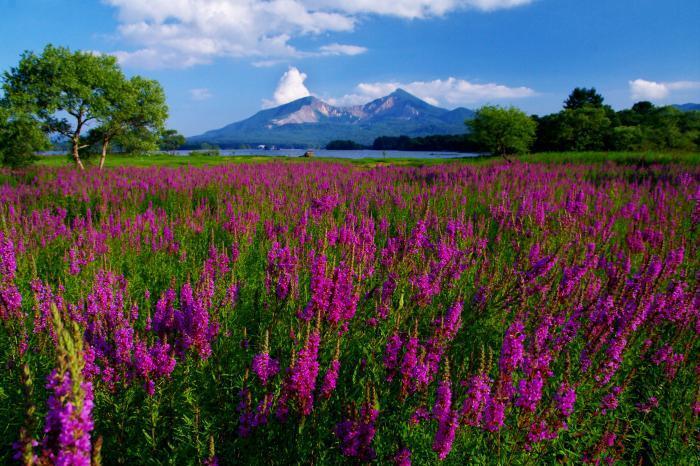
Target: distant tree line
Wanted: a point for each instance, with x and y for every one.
(83, 99)
(585, 123)
(344, 144)
(448, 143)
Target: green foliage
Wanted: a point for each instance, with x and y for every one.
(65, 90)
(20, 138)
(170, 139)
(626, 138)
(68, 91)
(582, 97)
(503, 131)
(586, 124)
(136, 116)
(137, 141)
(584, 128)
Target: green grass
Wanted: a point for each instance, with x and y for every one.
(620, 158)
(166, 160)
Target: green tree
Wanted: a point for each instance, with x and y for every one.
(585, 128)
(637, 115)
(137, 108)
(626, 138)
(137, 141)
(65, 90)
(548, 128)
(503, 131)
(583, 97)
(170, 139)
(20, 138)
(690, 127)
(662, 130)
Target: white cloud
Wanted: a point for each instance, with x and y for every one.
(183, 33)
(290, 87)
(450, 92)
(200, 93)
(413, 9)
(152, 58)
(267, 63)
(641, 89)
(341, 49)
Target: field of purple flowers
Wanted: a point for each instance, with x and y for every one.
(323, 313)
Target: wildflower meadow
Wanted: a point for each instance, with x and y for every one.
(316, 312)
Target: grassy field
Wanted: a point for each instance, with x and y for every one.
(166, 160)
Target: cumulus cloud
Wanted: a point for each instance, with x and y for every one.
(200, 93)
(290, 87)
(450, 92)
(641, 89)
(183, 33)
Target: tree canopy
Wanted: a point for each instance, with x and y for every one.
(137, 110)
(170, 139)
(20, 138)
(503, 131)
(583, 97)
(68, 92)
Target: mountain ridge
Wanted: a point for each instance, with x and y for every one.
(689, 107)
(311, 122)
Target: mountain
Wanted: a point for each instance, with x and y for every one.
(688, 107)
(311, 122)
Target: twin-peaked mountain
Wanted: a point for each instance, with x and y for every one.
(311, 122)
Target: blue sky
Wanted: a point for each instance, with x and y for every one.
(223, 60)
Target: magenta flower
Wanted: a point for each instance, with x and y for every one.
(449, 325)
(443, 401)
(321, 288)
(445, 435)
(512, 350)
(10, 298)
(304, 373)
(391, 355)
(540, 431)
(530, 392)
(610, 401)
(265, 367)
(565, 399)
(68, 422)
(477, 398)
(402, 457)
(494, 415)
(356, 434)
(331, 379)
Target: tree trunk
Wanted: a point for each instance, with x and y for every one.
(105, 143)
(505, 155)
(76, 154)
(76, 141)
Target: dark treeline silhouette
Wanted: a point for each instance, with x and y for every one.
(450, 143)
(447, 143)
(344, 144)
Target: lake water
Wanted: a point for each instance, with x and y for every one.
(340, 154)
(348, 154)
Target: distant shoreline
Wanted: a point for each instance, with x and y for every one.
(320, 153)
